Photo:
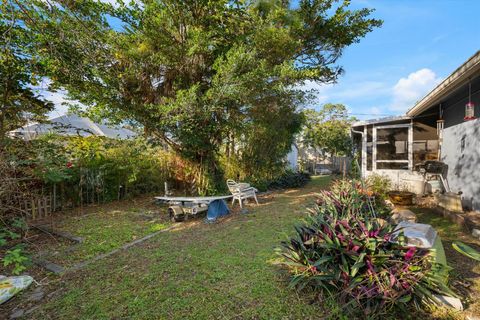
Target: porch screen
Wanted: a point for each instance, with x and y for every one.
(392, 148)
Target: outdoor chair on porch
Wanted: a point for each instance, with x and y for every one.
(241, 191)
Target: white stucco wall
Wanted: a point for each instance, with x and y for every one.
(461, 151)
(292, 158)
(402, 179)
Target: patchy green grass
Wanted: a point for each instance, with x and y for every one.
(199, 271)
(207, 271)
(466, 272)
(105, 228)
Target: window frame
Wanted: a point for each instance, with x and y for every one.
(409, 126)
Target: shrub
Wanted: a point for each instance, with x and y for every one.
(343, 251)
(17, 259)
(379, 184)
(12, 254)
(290, 179)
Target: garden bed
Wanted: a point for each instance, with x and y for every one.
(219, 270)
(74, 236)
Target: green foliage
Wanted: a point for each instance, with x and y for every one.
(466, 250)
(196, 74)
(355, 170)
(19, 70)
(328, 130)
(290, 179)
(17, 259)
(11, 232)
(343, 251)
(379, 185)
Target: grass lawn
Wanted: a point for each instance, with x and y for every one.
(199, 271)
(105, 228)
(206, 271)
(465, 275)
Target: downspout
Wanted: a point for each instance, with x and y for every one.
(351, 136)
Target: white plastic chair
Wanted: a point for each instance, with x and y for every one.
(241, 191)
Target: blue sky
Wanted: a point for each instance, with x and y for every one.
(421, 43)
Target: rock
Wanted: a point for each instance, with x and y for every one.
(476, 233)
(450, 302)
(244, 211)
(50, 266)
(37, 294)
(17, 314)
(400, 215)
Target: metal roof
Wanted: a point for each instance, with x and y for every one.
(380, 120)
(72, 125)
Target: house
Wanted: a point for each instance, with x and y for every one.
(72, 125)
(442, 126)
(292, 158)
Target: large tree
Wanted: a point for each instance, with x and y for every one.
(20, 70)
(328, 130)
(196, 73)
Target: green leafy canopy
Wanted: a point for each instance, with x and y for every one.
(196, 74)
(328, 130)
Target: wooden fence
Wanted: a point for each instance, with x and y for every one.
(38, 208)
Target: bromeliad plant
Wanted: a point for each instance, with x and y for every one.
(343, 251)
(351, 197)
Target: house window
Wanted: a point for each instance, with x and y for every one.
(392, 148)
(425, 143)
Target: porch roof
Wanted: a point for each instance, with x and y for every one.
(457, 79)
(380, 120)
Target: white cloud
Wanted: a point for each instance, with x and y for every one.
(361, 90)
(407, 91)
(58, 98)
(375, 111)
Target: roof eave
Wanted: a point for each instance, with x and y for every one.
(458, 78)
(380, 120)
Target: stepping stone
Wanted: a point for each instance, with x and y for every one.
(400, 215)
(37, 294)
(450, 302)
(50, 266)
(17, 314)
(389, 204)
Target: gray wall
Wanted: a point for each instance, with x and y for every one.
(461, 145)
(461, 151)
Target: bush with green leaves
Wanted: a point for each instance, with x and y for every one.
(13, 255)
(379, 184)
(289, 179)
(343, 251)
(17, 259)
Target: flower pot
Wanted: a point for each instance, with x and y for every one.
(403, 198)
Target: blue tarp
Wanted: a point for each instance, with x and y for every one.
(217, 208)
